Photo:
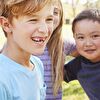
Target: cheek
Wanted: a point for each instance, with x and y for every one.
(56, 22)
(79, 49)
(22, 32)
(97, 43)
(50, 29)
(79, 45)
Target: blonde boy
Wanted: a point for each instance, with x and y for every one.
(28, 30)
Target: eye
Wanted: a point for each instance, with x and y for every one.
(95, 36)
(49, 19)
(33, 20)
(79, 37)
(56, 12)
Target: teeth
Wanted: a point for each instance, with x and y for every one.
(38, 39)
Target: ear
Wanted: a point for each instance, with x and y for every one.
(5, 24)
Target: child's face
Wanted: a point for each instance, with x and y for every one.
(31, 33)
(56, 17)
(87, 37)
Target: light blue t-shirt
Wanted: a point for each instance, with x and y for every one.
(19, 83)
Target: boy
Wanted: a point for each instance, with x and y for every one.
(86, 67)
(27, 29)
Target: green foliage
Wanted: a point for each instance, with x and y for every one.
(73, 91)
(73, 88)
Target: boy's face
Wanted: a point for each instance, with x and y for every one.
(87, 37)
(31, 33)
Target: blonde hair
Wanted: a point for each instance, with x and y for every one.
(17, 8)
(55, 47)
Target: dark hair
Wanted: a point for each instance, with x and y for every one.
(90, 14)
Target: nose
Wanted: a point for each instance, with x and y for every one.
(43, 28)
(88, 43)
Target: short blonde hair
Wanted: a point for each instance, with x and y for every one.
(16, 8)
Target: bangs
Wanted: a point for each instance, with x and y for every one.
(24, 7)
(27, 8)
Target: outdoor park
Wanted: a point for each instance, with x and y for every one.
(72, 90)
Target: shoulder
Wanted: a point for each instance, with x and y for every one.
(74, 65)
(72, 68)
(75, 62)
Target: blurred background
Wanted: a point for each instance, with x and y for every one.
(72, 90)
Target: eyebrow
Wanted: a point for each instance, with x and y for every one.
(95, 32)
(36, 15)
(89, 33)
(78, 34)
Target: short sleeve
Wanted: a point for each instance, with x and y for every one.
(4, 94)
(71, 69)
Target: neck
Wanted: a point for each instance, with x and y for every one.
(18, 56)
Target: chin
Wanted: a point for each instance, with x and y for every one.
(39, 52)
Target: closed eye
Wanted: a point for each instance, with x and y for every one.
(49, 20)
(34, 20)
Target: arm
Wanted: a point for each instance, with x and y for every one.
(71, 69)
(68, 72)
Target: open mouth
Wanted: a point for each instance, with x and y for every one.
(38, 39)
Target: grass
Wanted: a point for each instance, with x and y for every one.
(73, 91)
